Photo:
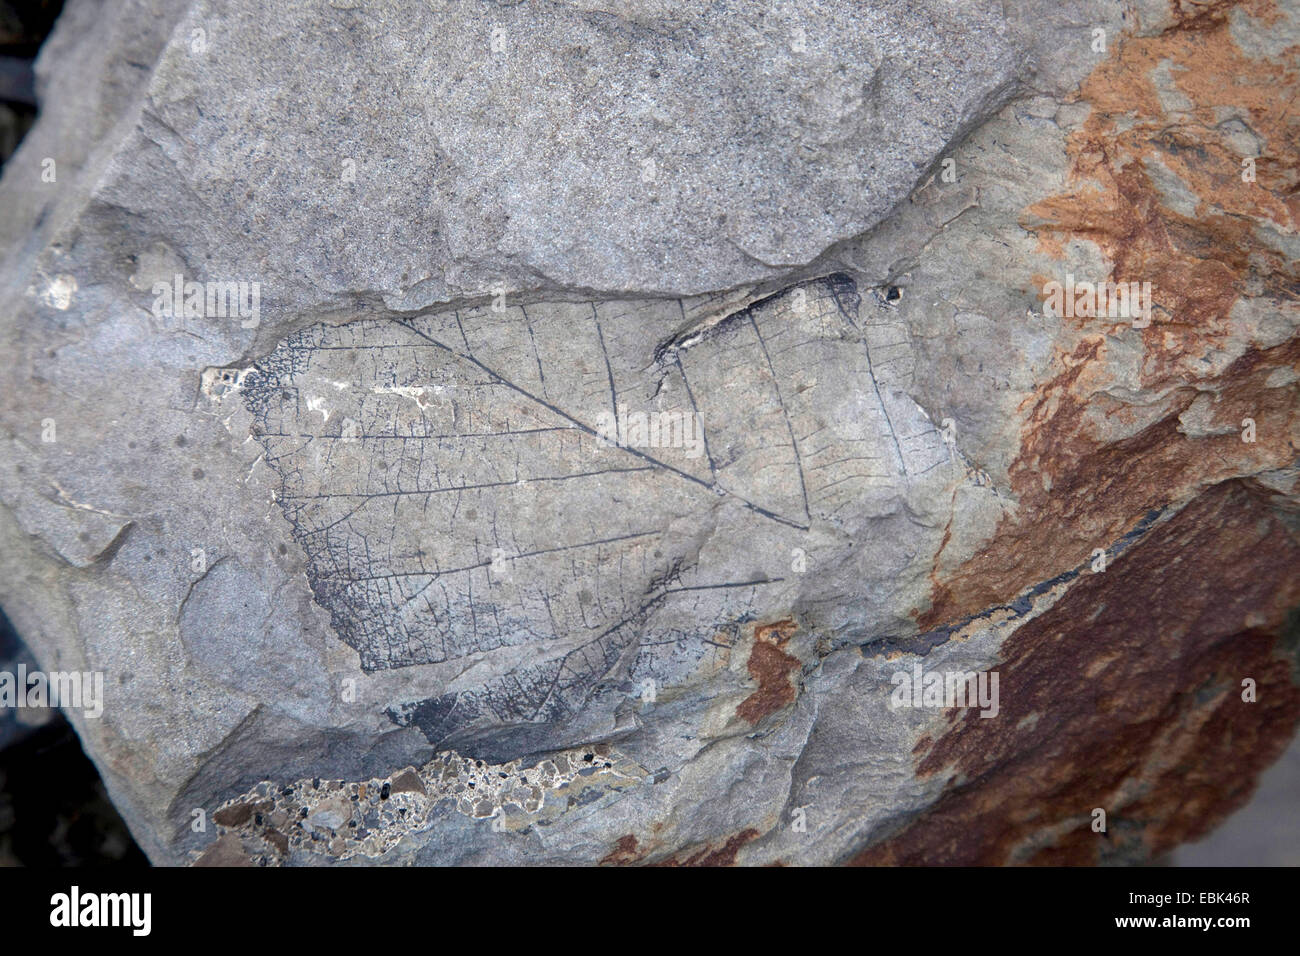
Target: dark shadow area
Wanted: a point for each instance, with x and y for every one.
(23, 28)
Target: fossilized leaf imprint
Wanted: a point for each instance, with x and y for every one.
(448, 480)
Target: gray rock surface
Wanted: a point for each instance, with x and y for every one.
(376, 538)
(411, 154)
(438, 150)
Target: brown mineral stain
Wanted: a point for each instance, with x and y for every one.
(628, 851)
(624, 852)
(724, 855)
(772, 668)
(228, 850)
(277, 840)
(1126, 695)
(238, 814)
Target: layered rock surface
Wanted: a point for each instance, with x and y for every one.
(388, 569)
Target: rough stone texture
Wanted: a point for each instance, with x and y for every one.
(428, 581)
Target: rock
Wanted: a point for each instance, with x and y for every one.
(227, 851)
(240, 813)
(626, 148)
(408, 782)
(556, 145)
(521, 501)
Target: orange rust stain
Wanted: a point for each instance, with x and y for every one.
(1199, 263)
(1077, 489)
(772, 668)
(1126, 695)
